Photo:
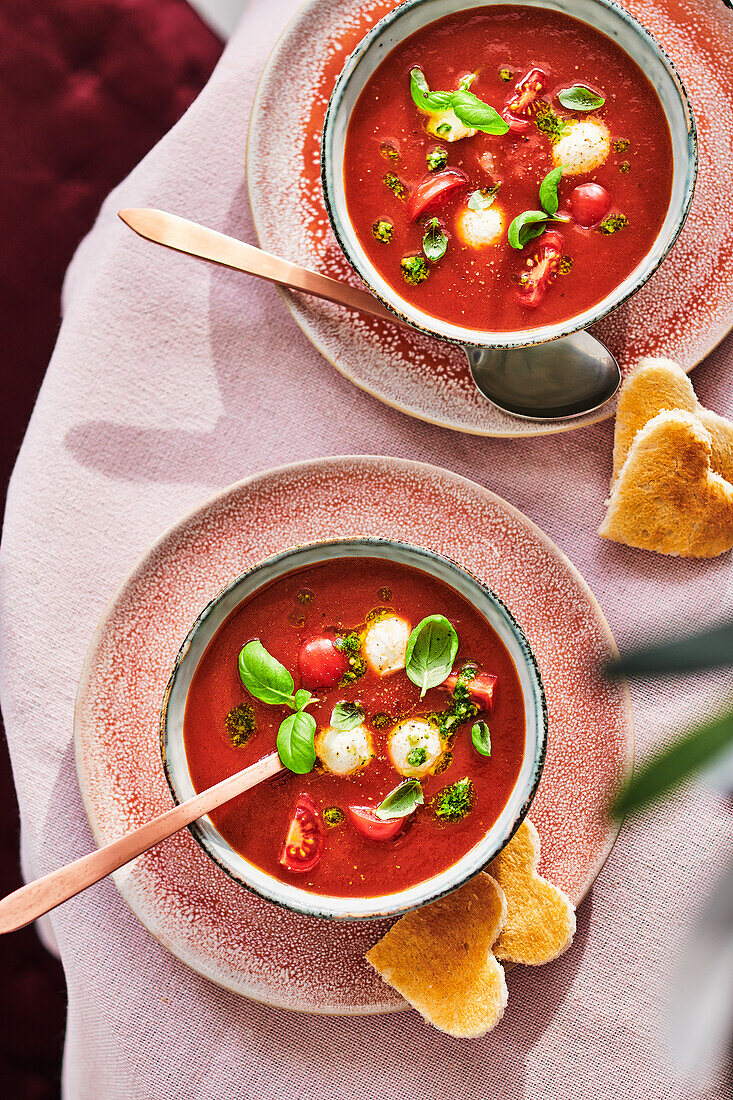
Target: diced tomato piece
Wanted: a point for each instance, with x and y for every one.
(480, 689)
(589, 203)
(303, 845)
(544, 269)
(321, 663)
(525, 93)
(366, 822)
(434, 190)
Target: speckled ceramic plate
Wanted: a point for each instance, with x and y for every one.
(191, 906)
(681, 313)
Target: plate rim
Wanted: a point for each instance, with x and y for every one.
(425, 470)
(294, 305)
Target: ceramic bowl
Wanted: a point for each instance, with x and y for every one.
(535, 709)
(411, 16)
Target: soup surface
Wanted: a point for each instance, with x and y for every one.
(433, 197)
(364, 609)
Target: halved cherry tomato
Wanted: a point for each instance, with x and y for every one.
(480, 689)
(303, 845)
(434, 190)
(589, 203)
(321, 663)
(544, 269)
(366, 822)
(516, 125)
(525, 93)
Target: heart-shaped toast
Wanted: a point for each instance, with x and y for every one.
(666, 496)
(540, 921)
(658, 384)
(440, 959)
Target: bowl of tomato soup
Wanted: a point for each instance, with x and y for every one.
(505, 174)
(403, 698)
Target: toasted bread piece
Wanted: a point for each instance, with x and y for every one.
(440, 959)
(666, 496)
(657, 384)
(540, 921)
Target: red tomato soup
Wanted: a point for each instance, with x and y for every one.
(433, 199)
(319, 831)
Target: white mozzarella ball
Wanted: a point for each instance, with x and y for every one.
(583, 147)
(344, 752)
(447, 126)
(385, 643)
(480, 228)
(418, 737)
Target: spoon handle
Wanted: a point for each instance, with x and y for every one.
(196, 240)
(36, 898)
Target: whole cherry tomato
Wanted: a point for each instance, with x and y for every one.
(589, 203)
(366, 822)
(321, 663)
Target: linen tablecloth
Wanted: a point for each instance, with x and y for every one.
(157, 396)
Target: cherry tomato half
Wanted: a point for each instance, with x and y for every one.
(516, 125)
(303, 845)
(589, 203)
(321, 663)
(526, 92)
(544, 269)
(434, 190)
(480, 689)
(366, 822)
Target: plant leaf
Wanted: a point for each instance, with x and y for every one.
(435, 242)
(473, 112)
(431, 651)
(549, 199)
(666, 769)
(481, 737)
(483, 198)
(346, 716)
(296, 742)
(302, 698)
(580, 98)
(401, 801)
(423, 98)
(526, 226)
(264, 677)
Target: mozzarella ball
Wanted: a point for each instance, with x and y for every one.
(418, 737)
(583, 147)
(447, 126)
(385, 643)
(344, 752)
(480, 228)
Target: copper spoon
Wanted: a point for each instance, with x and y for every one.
(557, 380)
(36, 898)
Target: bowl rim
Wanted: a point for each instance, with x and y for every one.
(471, 338)
(311, 907)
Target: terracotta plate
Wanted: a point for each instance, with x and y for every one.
(682, 312)
(186, 901)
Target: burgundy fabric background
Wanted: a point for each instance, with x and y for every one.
(87, 87)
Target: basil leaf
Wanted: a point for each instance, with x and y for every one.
(435, 242)
(483, 198)
(473, 112)
(465, 82)
(481, 737)
(549, 199)
(302, 698)
(401, 801)
(346, 716)
(431, 651)
(264, 677)
(580, 98)
(296, 742)
(422, 96)
(525, 227)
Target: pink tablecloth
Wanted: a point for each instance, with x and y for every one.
(159, 394)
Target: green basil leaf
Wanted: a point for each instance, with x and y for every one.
(264, 677)
(422, 96)
(302, 698)
(473, 112)
(526, 226)
(431, 651)
(481, 737)
(483, 198)
(435, 242)
(549, 199)
(580, 98)
(296, 742)
(346, 716)
(401, 801)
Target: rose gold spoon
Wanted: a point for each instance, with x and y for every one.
(36, 898)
